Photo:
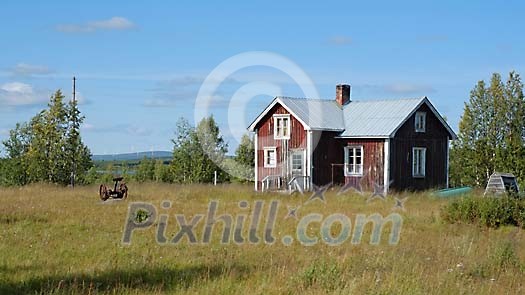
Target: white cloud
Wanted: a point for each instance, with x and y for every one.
(130, 129)
(159, 103)
(171, 102)
(341, 40)
(20, 94)
(4, 131)
(183, 90)
(23, 69)
(138, 131)
(115, 23)
(397, 89)
(407, 88)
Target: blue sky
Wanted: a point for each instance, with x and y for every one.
(140, 66)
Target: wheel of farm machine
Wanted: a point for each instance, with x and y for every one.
(103, 192)
(124, 190)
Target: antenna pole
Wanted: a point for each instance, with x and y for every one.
(74, 88)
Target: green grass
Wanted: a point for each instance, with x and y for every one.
(62, 241)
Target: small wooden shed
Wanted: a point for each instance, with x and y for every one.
(501, 183)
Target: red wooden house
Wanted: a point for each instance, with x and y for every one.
(398, 144)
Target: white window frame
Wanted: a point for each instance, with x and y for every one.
(280, 126)
(266, 156)
(418, 166)
(352, 169)
(297, 153)
(420, 123)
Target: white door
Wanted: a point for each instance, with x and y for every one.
(297, 160)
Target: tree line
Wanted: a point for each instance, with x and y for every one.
(49, 147)
(491, 134)
(198, 153)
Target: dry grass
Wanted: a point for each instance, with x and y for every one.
(63, 241)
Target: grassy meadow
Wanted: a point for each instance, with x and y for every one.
(56, 240)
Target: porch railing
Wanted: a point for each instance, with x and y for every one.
(272, 182)
(299, 183)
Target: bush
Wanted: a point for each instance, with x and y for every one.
(491, 212)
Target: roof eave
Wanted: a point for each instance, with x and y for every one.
(268, 108)
(425, 99)
(326, 129)
(364, 136)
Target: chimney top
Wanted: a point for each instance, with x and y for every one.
(342, 94)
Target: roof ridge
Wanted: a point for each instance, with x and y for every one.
(353, 101)
(391, 99)
(305, 98)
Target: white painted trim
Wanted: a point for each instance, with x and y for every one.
(347, 148)
(256, 144)
(270, 148)
(309, 152)
(386, 167)
(281, 116)
(425, 100)
(448, 162)
(357, 137)
(424, 121)
(424, 166)
(269, 107)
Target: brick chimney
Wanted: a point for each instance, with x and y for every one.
(342, 94)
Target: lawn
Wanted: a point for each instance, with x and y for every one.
(63, 241)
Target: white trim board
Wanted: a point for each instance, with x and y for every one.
(275, 101)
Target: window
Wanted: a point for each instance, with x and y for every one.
(297, 162)
(281, 126)
(270, 157)
(419, 159)
(353, 160)
(421, 118)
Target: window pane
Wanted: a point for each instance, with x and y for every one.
(354, 160)
(422, 162)
(270, 157)
(415, 159)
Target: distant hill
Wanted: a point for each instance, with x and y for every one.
(133, 156)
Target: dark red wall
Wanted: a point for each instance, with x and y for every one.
(327, 152)
(266, 139)
(434, 139)
(329, 159)
(373, 169)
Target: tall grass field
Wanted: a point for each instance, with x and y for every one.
(56, 240)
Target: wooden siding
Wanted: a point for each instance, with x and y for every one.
(434, 139)
(328, 161)
(265, 138)
(328, 156)
(373, 162)
(328, 151)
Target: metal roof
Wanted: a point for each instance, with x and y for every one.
(318, 114)
(374, 118)
(377, 118)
